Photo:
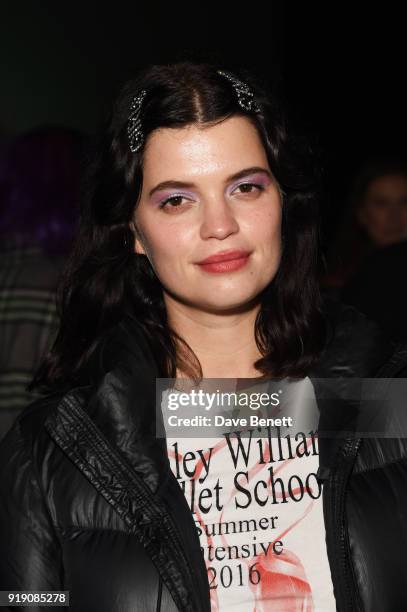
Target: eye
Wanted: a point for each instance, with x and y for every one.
(245, 185)
(173, 200)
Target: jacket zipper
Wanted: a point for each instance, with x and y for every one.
(348, 596)
(160, 591)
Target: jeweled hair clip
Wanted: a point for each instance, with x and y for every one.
(134, 130)
(244, 93)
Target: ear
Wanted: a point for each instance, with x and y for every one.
(138, 245)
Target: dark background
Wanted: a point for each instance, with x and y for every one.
(341, 68)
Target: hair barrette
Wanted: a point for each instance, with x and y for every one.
(134, 131)
(244, 93)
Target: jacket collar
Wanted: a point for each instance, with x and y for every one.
(108, 430)
(121, 399)
(356, 346)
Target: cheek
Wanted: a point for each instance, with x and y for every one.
(169, 245)
(265, 228)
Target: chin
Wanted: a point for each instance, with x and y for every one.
(229, 303)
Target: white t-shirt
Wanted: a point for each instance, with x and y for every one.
(257, 506)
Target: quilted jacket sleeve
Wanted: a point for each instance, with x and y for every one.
(30, 553)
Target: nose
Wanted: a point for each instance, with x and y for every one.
(218, 220)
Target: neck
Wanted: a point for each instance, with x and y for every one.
(223, 342)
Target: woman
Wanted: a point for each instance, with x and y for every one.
(195, 163)
(375, 218)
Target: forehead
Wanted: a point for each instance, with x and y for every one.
(387, 185)
(227, 146)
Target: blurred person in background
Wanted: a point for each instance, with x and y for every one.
(39, 184)
(375, 218)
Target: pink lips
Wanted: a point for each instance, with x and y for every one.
(225, 261)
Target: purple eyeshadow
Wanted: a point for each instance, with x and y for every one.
(260, 179)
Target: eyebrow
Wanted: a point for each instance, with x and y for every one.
(183, 185)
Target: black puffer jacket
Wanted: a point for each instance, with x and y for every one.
(88, 503)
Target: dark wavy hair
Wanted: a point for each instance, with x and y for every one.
(104, 279)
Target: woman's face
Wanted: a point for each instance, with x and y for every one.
(207, 191)
(383, 212)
